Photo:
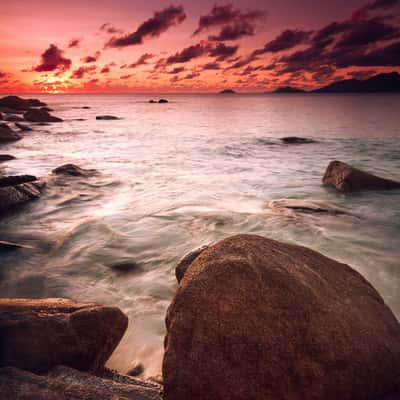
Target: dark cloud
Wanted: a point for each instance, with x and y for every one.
(153, 27)
(105, 70)
(284, 41)
(362, 74)
(3, 75)
(211, 66)
(82, 71)
(108, 28)
(52, 59)
(142, 60)
(234, 32)
(376, 5)
(188, 53)
(126, 76)
(222, 51)
(192, 75)
(243, 61)
(366, 32)
(235, 23)
(74, 43)
(176, 70)
(91, 59)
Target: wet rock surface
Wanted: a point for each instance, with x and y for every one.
(40, 115)
(40, 334)
(346, 178)
(73, 170)
(8, 135)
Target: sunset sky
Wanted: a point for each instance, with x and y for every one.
(122, 46)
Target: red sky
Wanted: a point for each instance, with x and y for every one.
(105, 46)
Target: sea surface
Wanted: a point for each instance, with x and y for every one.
(180, 175)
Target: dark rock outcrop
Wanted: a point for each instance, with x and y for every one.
(18, 103)
(296, 140)
(288, 89)
(73, 170)
(23, 127)
(185, 262)
(17, 190)
(6, 157)
(8, 135)
(13, 118)
(63, 383)
(106, 117)
(254, 318)
(37, 335)
(40, 115)
(346, 178)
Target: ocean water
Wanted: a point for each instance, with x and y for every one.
(180, 175)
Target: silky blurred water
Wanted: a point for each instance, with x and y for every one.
(179, 175)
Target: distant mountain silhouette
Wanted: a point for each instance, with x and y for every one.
(288, 89)
(380, 83)
(227, 91)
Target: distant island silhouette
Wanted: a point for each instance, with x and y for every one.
(381, 83)
(227, 91)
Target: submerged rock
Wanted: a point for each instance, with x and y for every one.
(73, 170)
(17, 190)
(40, 334)
(8, 135)
(106, 117)
(40, 115)
(23, 127)
(185, 262)
(8, 246)
(306, 206)
(163, 101)
(135, 369)
(125, 266)
(6, 157)
(254, 318)
(346, 178)
(18, 103)
(296, 140)
(64, 383)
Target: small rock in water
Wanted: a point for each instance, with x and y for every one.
(73, 170)
(124, 266)
(40, 115)
(8, 135)
(136, 369)
(6, 157)
(85, 108)
(346, 178)
(152, 101)
(296, 140)
(306, 206)
(23, 127)
(163, 101)
(13, 118)
(106, 117)
(185, 262)
(7, 246)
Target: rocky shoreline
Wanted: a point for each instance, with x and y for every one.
(291, 324)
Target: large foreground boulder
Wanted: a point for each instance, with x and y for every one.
(40, 115)
(346, 178)
(64, 383)
(37, 335)
(256, 319)
(8, 135)
(17, 190)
